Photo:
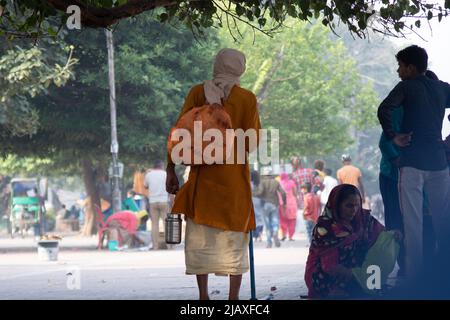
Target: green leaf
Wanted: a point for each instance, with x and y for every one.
(52, 32)
(163, 17)
(249, 15)
(262, 21)
(292, 11)
(414, 10)
(362, 24)
(240, 10)
(384, 13)
(257, 12)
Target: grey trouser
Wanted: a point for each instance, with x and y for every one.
(158, 210)
(412, 185)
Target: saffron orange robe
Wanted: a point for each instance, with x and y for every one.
(219, 195)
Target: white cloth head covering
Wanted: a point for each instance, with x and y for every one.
(228, 68)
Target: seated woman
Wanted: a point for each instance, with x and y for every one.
(341, 238)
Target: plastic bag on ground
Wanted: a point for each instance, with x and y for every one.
(380, 257)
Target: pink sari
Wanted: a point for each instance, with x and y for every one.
(288, 213)
(291, 201)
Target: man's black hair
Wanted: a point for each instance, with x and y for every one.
(414, 55)
(319, 165)
(307, 186)
(158, 163)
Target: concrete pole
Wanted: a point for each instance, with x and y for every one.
(116, 201)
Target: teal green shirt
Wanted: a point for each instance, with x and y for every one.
(130, 204)
(388, 149)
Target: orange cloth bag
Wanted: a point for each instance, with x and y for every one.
(211, 117)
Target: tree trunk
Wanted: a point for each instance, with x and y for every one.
(262, 94)
(90, 227)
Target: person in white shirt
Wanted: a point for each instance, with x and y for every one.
(155, 182)
(329, 183)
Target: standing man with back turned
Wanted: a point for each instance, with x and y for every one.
(423, 166)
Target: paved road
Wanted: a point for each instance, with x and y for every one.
(156, 275)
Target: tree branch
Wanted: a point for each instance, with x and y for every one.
(286, 79)
(103, 17)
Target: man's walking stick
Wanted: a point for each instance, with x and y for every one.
(252, 268)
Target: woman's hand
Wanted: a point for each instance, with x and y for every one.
(341, 273)
(402, 139)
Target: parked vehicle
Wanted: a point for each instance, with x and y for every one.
(27, 208)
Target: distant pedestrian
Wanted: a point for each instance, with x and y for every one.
(288, 212)
(312, 209)
(268, 190)
(350, 174)
(300, 176)
(328, 184)
(158, 198)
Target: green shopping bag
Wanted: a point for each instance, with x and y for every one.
(379, 261)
